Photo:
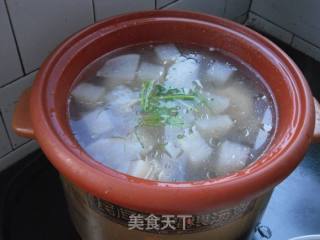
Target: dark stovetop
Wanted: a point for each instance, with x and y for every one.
(32, 204)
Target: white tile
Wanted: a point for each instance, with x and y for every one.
(236, 8)
(107, 8)
(9, 95)
(214, 7)
(5, 145)
(161, 3)
(265, 26)
(41, 25)
(10, 67)
(300, 17)
(307, 48)
(18, 154)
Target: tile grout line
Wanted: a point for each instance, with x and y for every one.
(269, 21)
(7, 133)
(308, 42)
(291, 41)
(15, 149)
(14, 80)
(225, 8)
(250, 6)
(15, 38)
(282, 28)
(168, 4)
(94, 11)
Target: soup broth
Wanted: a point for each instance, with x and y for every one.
(172, 112)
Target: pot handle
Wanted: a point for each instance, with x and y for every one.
(316, 133)
(21, 122)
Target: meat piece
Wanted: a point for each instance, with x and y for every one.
(217, 104)
(241, 103)
(217, 126)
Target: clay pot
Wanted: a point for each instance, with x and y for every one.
(92, 188)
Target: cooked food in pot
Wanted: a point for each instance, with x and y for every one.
(171, 112)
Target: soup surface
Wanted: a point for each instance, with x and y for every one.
(171, 112)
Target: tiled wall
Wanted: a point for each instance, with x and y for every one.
(294, 22)
(30, 30)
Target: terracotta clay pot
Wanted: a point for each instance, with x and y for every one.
(93, 189)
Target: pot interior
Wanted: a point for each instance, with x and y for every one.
(287, 85)
(204, 34)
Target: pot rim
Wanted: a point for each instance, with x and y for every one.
(158, 197)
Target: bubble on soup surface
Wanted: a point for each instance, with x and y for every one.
(182, 73)
(149, 71)
(88, 94)
(98, 122)
(216, 126)
(231, 157)
(219, 73)
(121, 68)
(167, 52)
(115, 153)
(195, 147)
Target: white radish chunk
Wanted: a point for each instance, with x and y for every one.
(182, 74)
(217, 104)
(140, 168)
(149, 71)
(172, 133)
(217, 126)
(88, 94)
(98, 122)
(173, 149)
(172, 169)
(167, 52)
(122, 99)
(219, 73)
(195, 147)
(264, 131)
(231, 157)
(114, 152)
(122, 68)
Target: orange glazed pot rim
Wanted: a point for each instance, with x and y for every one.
(57, 75)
